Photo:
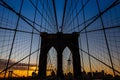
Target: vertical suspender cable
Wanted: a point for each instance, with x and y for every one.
(55, 14)
(14, 38)
(63, 18)
(80, 44)
(32, 38)
(86, 38)
(105, 36)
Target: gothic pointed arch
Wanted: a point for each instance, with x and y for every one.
(51, 61)
(67, 61)
(59, 41)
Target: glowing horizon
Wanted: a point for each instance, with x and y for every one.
(96, 21)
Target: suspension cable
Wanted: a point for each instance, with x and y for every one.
(13, 38)
(105, 36)
(64, 11)
(55, 14)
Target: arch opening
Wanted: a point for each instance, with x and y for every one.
(51, 62)
(67, 61)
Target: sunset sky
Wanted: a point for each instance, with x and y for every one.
(33, 21)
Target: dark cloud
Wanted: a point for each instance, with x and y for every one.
(19, 66)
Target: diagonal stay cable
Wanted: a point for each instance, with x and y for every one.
(94, 18)
(67, 17)
(18, 30)
(35, 23)
(31, 42)
(70, 9)
(100, 61)
(14, 36)
(21, 16)
(98, 15)
(63, 18)
(78, 13)
(19, 61)
(10, 8)
(39, 12)
(55, 14)
(106, 28)
(49, 14)
(96, 59)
